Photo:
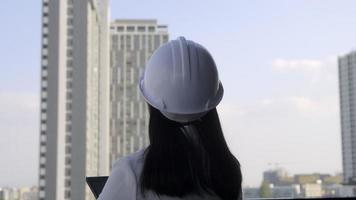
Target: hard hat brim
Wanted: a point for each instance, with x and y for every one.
(160, 105)
(183, 118)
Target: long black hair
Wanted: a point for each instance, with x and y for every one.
(189, 158)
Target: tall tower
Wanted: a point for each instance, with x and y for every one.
(347, 87)
(74, 127)
(132, 43)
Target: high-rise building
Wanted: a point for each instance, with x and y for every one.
(74, 127)
(347, 88)
(132, 43)
(275, 176)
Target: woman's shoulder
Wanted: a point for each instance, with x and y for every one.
(132, 160)
(123, 179)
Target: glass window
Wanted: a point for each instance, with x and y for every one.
(120, 28)
(45, 20)
(165, 38)
(141, 28)
(70, 21)
(70, 11)
(151, 28)
(130, 29)
(45, 40)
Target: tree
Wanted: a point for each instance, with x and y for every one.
(265, 190)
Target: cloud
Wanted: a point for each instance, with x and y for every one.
(316, 70)
(301, 104)
(296, 102)
(293, 65)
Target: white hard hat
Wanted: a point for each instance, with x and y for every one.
(181, 80)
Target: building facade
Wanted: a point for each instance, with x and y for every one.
(276, 176)
(132, 43)
(74, 127)
(21, 193)
(286, 191)
(347, 88)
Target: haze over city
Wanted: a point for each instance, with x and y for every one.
(277, 60)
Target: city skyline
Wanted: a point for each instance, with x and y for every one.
(278, 65)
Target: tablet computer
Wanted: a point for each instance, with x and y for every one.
(96, 184)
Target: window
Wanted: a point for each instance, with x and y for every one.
(69, 105)
(44, 94)
(68, 127)
(45, 40)
(67, 172)
(44, 105)
(68, 149)
(67, 194)
(69, 74)
(151, 29)
(42, 150)
(42, 173)
(43, 143)
(44, 73)
(70, 21)
(141, 29)
(44, 117)
(130, 29)
(70, 11)
(42, 182)
(44, 51)
(69, 85)
(68, 138)
(70, 31)
(68, 160)
(120, 28)
(45, 20)
(162, 26)
(42, 159)
(43, 138)
(45, 11)
(69, 63)
(165, 38)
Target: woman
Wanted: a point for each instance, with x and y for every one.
(187, 157)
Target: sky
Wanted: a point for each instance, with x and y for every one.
(277, 60)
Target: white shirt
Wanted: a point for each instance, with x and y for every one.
(123, 182)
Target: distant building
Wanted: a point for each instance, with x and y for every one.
(22, 193)
(348, 191)
(304, 185)
(347, 88)
(28, 193)
(74, 126)
(306, 178)
(332, 179)
(332, 190)
(277, 176)
(7, 194)
(251, 193)
(311, 190)
(286, 191)
(132, 43)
